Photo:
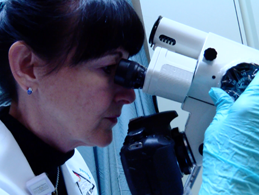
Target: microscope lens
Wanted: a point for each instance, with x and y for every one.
(237, 78)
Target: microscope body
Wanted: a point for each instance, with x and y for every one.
(185, 65)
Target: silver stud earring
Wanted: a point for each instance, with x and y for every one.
(29, 91)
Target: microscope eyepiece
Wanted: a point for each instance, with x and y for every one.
(130, 74)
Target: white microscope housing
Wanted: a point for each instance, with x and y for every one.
(186, 63)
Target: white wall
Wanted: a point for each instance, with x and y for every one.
(217, 16)
(250, 16)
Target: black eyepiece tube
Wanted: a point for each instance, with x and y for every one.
(130, 74)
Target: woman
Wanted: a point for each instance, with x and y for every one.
(58, 60)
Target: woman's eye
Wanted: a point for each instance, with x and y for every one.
(109, 69)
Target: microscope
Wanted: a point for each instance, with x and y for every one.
(185, 64)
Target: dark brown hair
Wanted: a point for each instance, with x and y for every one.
(52, 28)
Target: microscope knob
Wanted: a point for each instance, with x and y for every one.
(201, 149)
(136, 134)
(210, 54)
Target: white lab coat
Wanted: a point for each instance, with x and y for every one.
(15, 170)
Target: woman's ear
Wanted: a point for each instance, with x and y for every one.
(22, 65)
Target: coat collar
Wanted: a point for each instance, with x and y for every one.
(41, 156)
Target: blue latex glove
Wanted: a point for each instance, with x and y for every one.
(231, 144)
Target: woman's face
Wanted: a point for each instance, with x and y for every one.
(82, 104)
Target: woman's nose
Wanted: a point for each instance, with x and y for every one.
(124, 95)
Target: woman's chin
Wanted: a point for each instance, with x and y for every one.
(105, 141)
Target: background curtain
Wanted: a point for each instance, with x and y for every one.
(105, 163)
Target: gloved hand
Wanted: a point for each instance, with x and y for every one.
(231, 144)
